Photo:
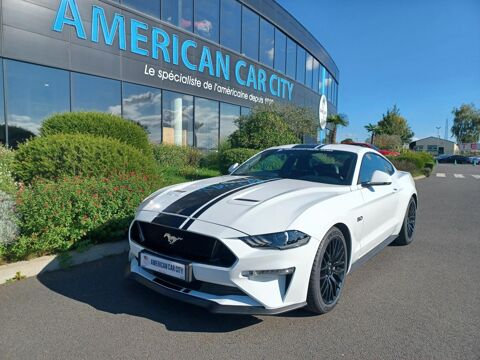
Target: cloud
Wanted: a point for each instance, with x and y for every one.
(25, 122)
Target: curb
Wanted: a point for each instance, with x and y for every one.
(419, 177)
(49, 263)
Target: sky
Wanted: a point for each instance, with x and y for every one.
(422, 55)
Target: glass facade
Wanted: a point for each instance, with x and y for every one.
(177, 118)
(291, 64)
(150, 7)
(231, 24)
(143, 105)
(228, 114)
(309, 71)
(280, 51)
(3, 128)
(250, 30)
(47, 91)
(206, 19)
(206, 123)
(93, 93)
(178, 13)
(301, 64)
(267, 43)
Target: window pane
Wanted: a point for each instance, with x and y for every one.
(177, 118)
(309, 70)
(371, 163)
(230, 24)
(179, 13)
(95, 93)
(150, 7)
(143, 105)
(228, 114)
(316, 75)
(245, 111)
(3, 139)
(33, 93)
(250, 24)
(206, 19)
(300, 64)
(291, 58)
(266, 43)
(206, 123)
(280, 50)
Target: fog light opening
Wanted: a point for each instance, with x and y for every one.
(253, 273)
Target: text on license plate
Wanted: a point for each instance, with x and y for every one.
(163, 266)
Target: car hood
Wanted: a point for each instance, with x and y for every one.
(250, 205)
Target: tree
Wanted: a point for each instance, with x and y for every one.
(336, 120)
(388, 142)
(372, 128)
(301, 120)
(347, 141)
(466, 124)
(393, 123)
(261, 130)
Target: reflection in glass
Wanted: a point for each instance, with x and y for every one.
(309, 70)
(33, 93)
(300, 64)
(280, 50)
(93, 93)
(150, 7)
(177, 118)
(322, 80)
(3, 139)
(228, 114)
(179, 13)
(206, 123)
(245, 111)
(316, 74)
(250, 23)
(291, 58)
(230, 24)
(143, 105)
(267, 43)
(206, 19)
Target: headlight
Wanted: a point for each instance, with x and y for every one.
(281, 240)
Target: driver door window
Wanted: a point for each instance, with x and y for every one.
(372, 162)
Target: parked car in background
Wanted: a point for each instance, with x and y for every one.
(475, 159)
(458, 159)
(371, 146)
(442, 156)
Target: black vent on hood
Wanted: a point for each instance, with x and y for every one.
(192, 246)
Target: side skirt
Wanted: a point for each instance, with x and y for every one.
(372, 253)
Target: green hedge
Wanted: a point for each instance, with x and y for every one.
(228, 157)
(56, 156)
(176, 156)
(7, 183)
(414, 162)
(57, 215)
(99, 124)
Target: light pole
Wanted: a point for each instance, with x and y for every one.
(438, 141)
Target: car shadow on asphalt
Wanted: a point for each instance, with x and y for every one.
(101, 284)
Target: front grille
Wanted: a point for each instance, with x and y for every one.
(193, 247)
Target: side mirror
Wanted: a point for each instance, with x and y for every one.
(378, 178)
(233, 167)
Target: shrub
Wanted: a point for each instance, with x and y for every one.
(260, 130)
(57, 215)
(388, 142)
(404, 165)
(56, 156)
(8, 220)
(7, 183)
(99, 124)
(420, 159)
(177, 156)
(228, 157)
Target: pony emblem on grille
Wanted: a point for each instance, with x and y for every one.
(171, 238)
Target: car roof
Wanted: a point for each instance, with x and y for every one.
(340, 147)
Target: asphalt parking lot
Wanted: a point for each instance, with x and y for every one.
(415, 302)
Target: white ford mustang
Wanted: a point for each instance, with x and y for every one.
(279, 233)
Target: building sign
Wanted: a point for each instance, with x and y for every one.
(323, 112)
(474, 147)
(175, 57)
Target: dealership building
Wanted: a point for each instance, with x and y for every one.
(183, 69)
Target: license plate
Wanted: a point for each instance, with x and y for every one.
(165, 266)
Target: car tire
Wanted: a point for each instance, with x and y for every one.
(407, 232)
(328, 273)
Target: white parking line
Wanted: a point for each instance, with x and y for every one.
(476, 176)
(459, 176)
(440, 174)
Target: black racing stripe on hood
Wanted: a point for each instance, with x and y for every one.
(191, 202)
(173, 221)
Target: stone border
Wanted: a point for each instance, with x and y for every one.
(419, 177)
(54, 262)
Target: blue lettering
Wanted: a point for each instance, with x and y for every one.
(290, 89)
(136, 37)
(175, 49)
(188, 44)
(118, 23)
(162, 45)
(262, 77)
(272, 90)
(222, 64)
(251, 78)
(206, 61)
(61, 19)
(240, 64)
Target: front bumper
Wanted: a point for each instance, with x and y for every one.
(219, 305)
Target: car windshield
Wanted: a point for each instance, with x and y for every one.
(322, 166)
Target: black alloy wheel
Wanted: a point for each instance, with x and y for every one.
(409, 223)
